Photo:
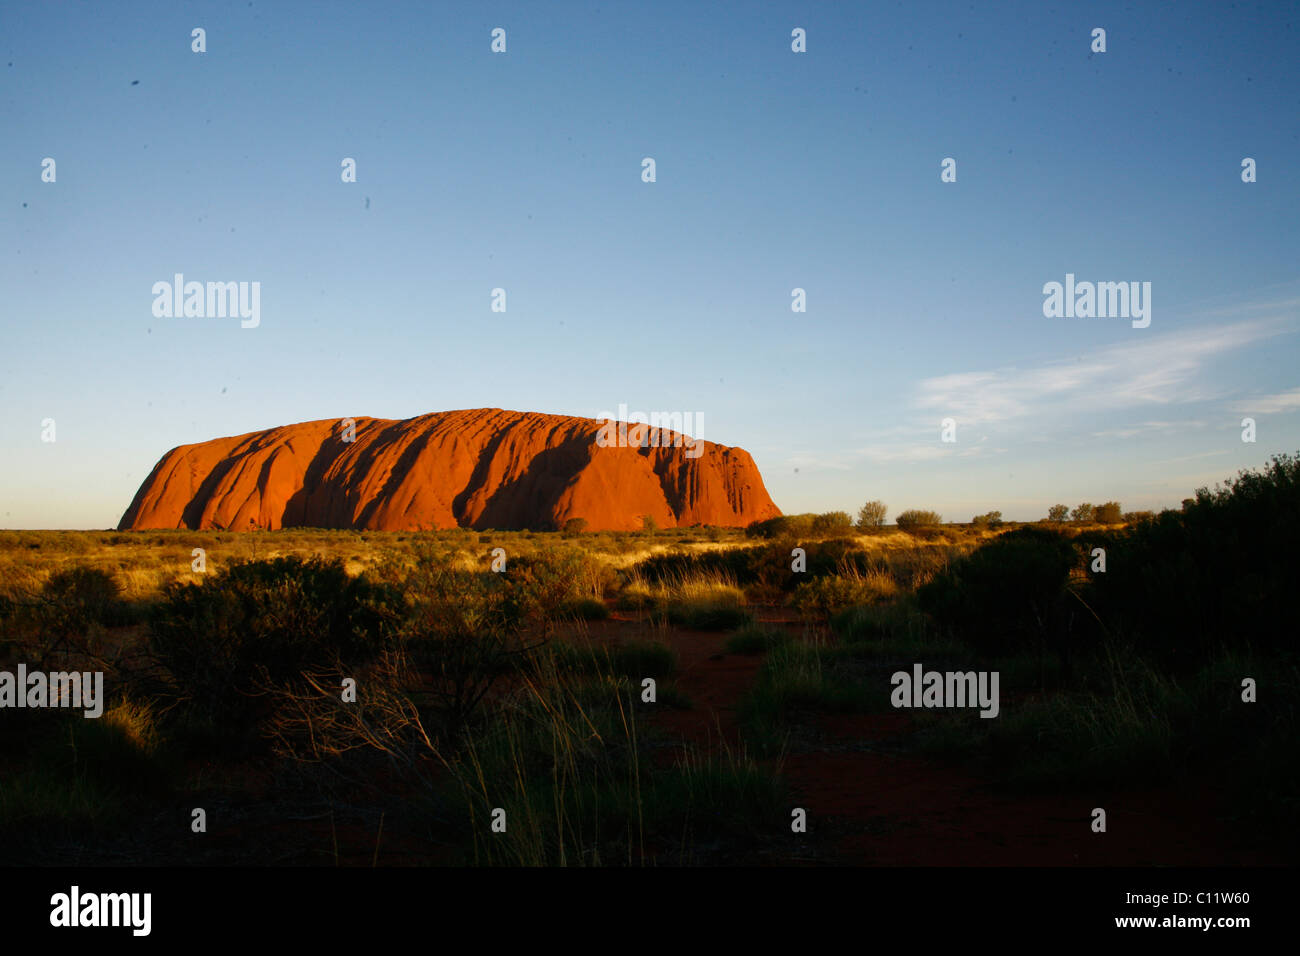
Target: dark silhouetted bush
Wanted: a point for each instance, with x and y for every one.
(86, 595)
(259, 625)
(1007, 595)
(1108, 513)
(1221, 572)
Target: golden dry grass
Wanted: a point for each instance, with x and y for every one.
(143, 562)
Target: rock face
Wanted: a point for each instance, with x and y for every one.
(480, 468)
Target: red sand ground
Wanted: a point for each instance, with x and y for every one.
(868, 806)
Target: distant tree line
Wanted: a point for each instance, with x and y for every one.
(1088, 513)
(873, 514)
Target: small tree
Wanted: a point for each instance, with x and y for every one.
(575, 526)
(871, 515)
(1108, 513)
(991, 519)
(648, 524)
(1058, 513)
(1084, 512)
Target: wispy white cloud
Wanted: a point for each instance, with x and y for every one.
(1148, 428)
(931, 451)
(1270, 404)
(1148, 371)
(1196, 457)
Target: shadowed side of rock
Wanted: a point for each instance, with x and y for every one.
(478, 468)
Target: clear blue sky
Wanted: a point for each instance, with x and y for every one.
(775, 170)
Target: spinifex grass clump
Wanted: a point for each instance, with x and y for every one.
(80, 775)
(757, 639)
(706, 603)
(897, 631)
(583, 609)
(800, 679)
(734, 564)
(634, 659)
(820, 598)
(563, 775)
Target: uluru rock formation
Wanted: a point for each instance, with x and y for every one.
(480, 468)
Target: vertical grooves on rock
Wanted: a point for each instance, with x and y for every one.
(476, 468)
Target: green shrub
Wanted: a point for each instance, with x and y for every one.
(782, 526)
(546, 584)
(832, 524)
(463, 630)
(914, 519)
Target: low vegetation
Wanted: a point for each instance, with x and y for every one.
(466, 679)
